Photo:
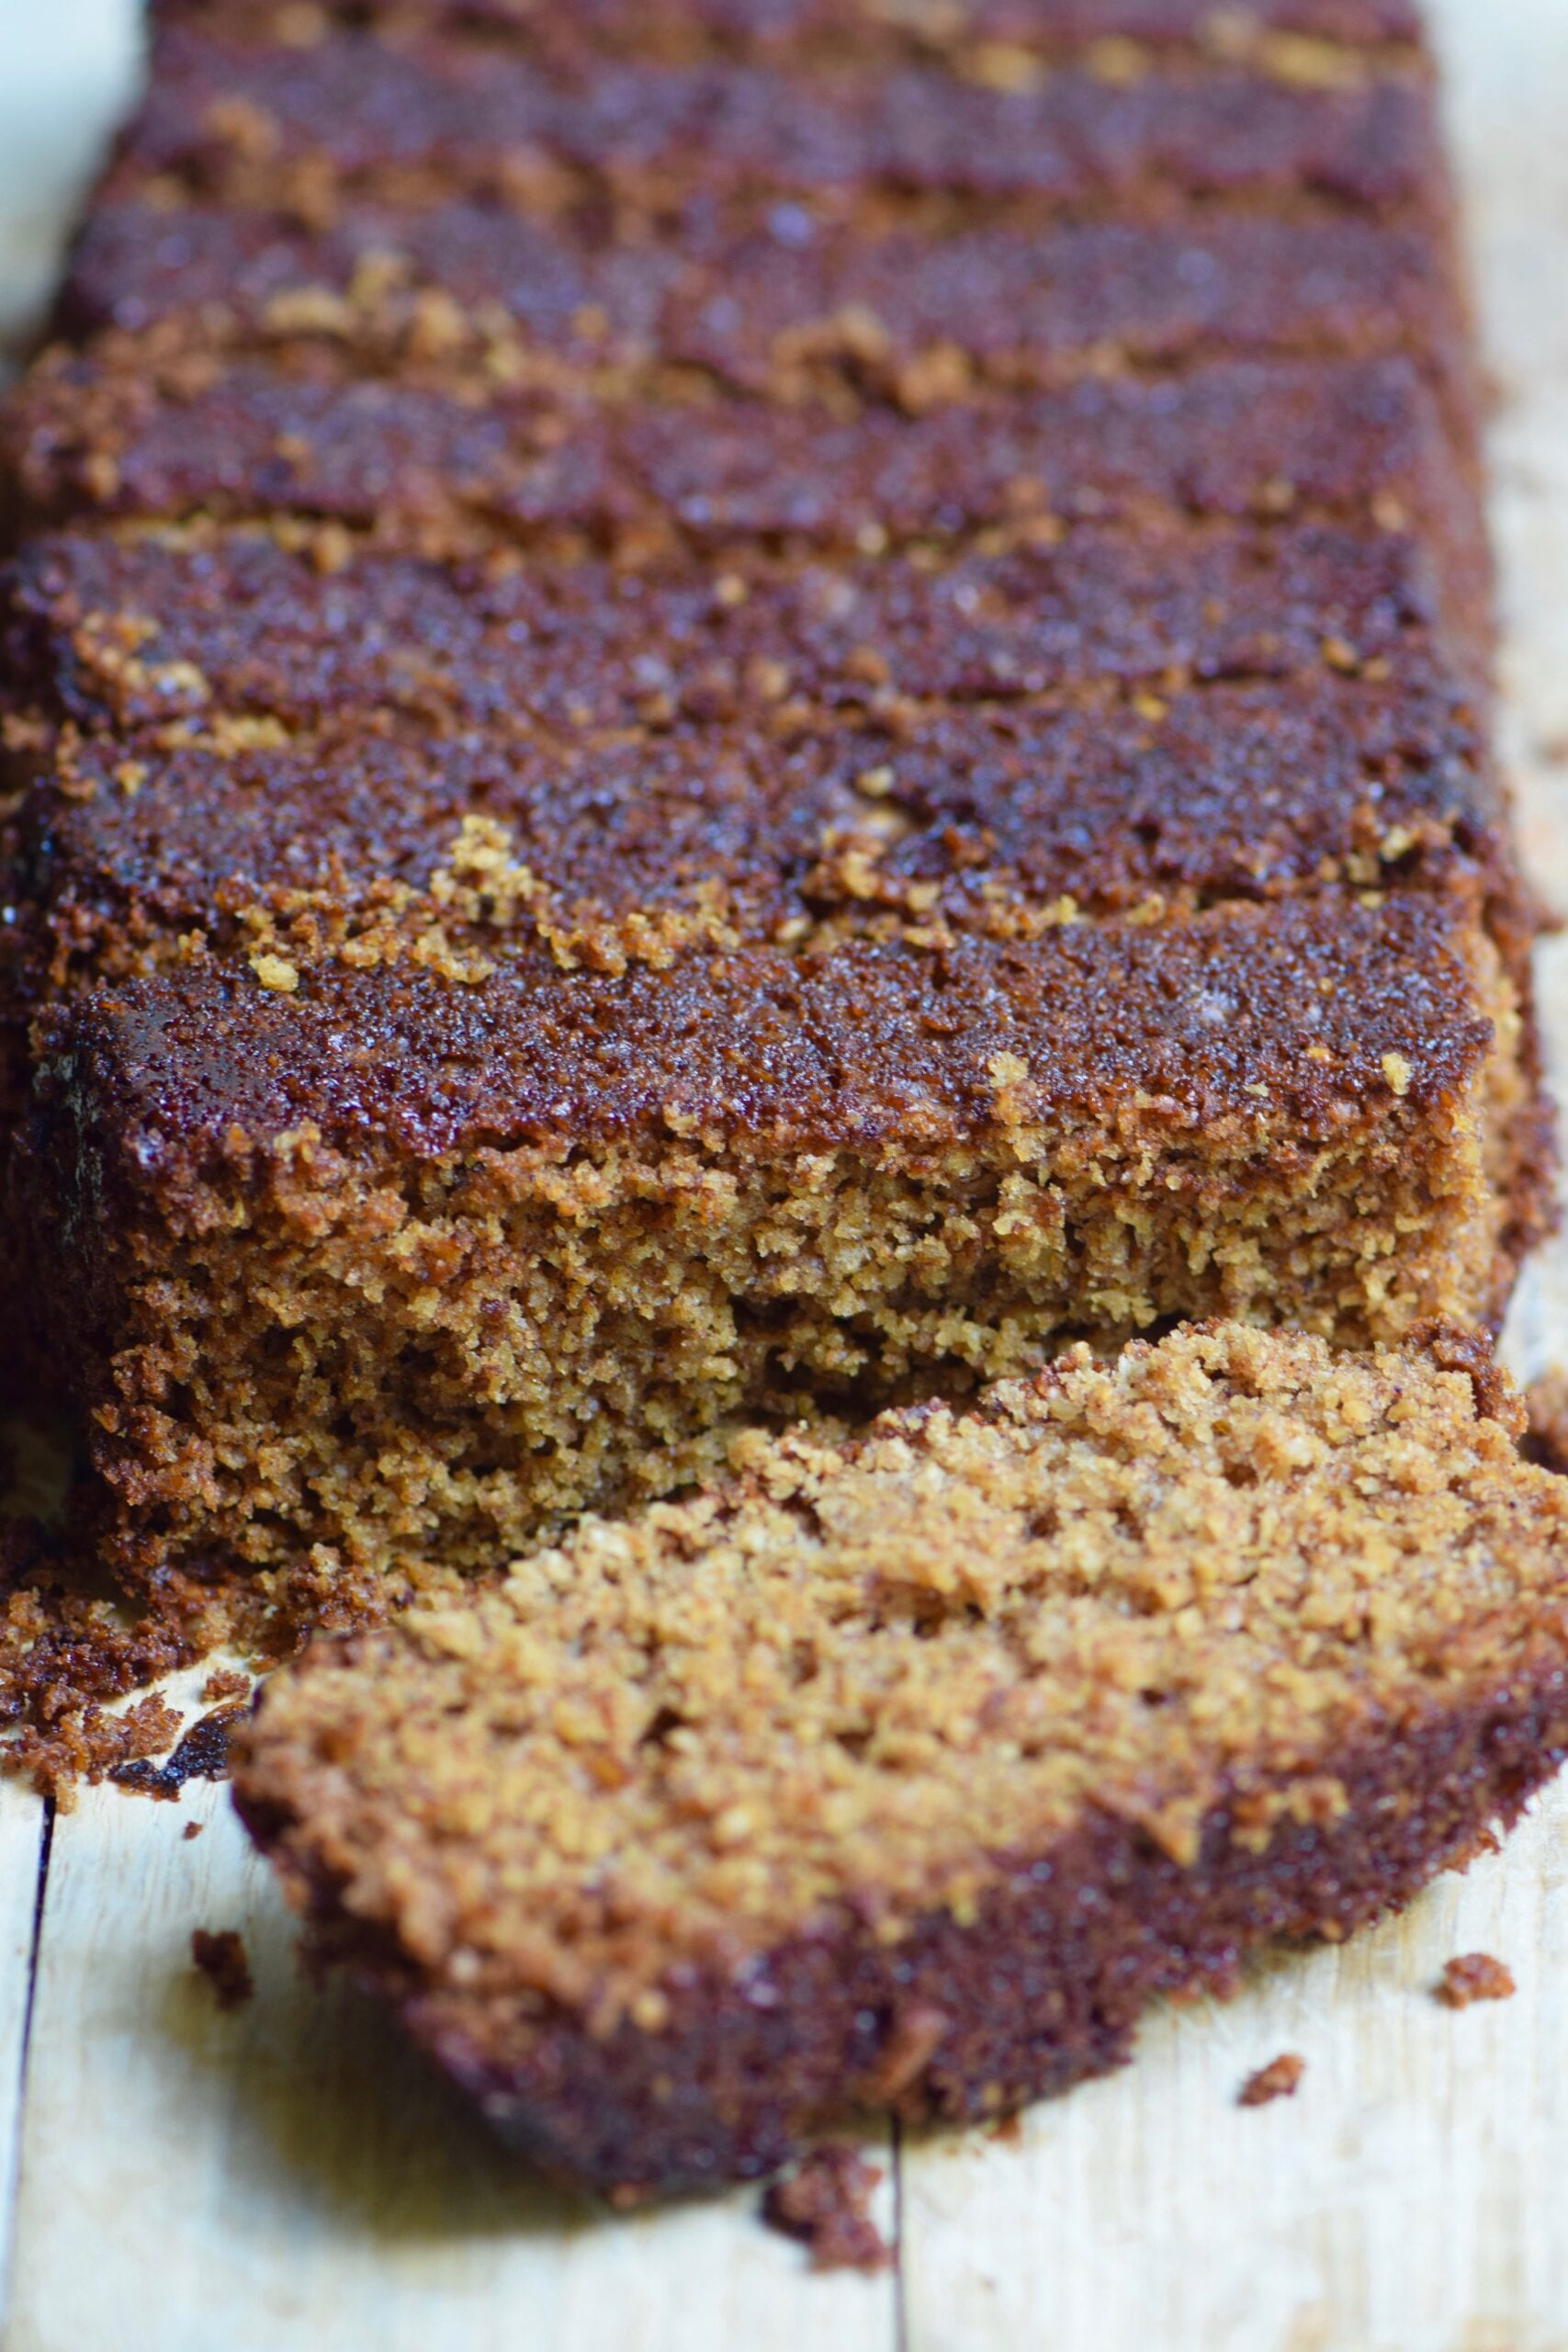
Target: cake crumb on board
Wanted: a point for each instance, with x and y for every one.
(1473, 1976)
(226, 1682)
(825, 2203)
(220, 1954)
(202, 1755)
(1279, 2079)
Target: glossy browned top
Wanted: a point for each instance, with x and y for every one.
(362, 108)
(981, 813)
(1032, 297)
(1127, 635)
(128, 634)
(767, 23)
(404, 455)
(1289, 1020)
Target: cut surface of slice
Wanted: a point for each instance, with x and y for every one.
(903, 1773)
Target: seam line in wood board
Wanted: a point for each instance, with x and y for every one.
(45, 1848)
(900, 2285)
(8, 2221)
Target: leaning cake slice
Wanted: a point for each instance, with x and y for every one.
(902, 1775)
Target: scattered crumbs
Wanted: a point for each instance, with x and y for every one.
(1546, 1436)
(192, 1829)
(275, 972)
(1279, 2079)
(1473, 1976)
(1396, 1070)
(202, 1755)
(825, 2202)
(220, 1956)
(227, 1682)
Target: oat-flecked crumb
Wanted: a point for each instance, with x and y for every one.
(1473, 1976)
(826, 2203)
(275, 972)
(220, 1956)
(713, 1825)
(485, 1341)
(1115, 1584)
(1279, 2079)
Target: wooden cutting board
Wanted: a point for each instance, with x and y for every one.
(173, 2180)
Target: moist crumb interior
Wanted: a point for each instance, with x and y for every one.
(855, 1675)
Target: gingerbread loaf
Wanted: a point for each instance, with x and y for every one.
(714, 716)
(902, 1774)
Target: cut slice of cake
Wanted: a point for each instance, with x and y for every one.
(903, 1775)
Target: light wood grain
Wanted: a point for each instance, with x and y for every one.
(1411, 2198)
(66, 68)
(290, 2175)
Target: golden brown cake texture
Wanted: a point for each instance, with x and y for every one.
(413, 1267)
(729, 711)
(901, 1774)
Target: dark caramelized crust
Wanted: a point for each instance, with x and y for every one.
(410, 460)
(901, 1774)
(979, 816)
(1289, 1015)
(142, 632)
(795, 297)
(766, 26)
(354, 112)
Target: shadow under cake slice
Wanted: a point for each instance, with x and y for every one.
(904, 1775)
